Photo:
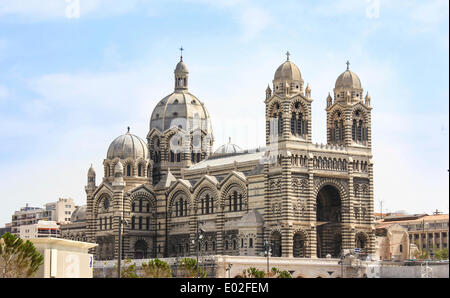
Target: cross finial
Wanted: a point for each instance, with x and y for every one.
(128, 129)
(181, 51)
(348, 65)
(287, 55)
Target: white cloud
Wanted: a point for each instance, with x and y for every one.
(4, 92)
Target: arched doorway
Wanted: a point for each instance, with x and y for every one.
(300, 240)
(140, 249)
(328, 217)
(276, 244)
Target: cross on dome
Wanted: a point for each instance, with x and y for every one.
(287, 55)
(348, 65)
(181, 53)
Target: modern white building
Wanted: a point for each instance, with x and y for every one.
(61, 210)
(41, 229)
(27, 216)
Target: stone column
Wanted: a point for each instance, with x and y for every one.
(347, 215)
(311, 249)
(286, 206)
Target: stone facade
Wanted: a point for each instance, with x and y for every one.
(307, 200)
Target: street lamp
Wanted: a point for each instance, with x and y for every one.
(199, 236)
(119, 254)
(267, 253)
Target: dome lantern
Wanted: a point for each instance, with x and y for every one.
(181, 74)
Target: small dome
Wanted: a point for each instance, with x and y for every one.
(288, 71)
(181, 67)
(79, 214)
(228, 148)
(128, 146)
(348, 80)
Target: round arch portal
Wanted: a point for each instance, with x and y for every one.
(328, 218)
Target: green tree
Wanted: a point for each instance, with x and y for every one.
(18, 259)
(441, 254)
(156, 269)
(188, 267)
(422, 254)
(128, 270)
(254, 273)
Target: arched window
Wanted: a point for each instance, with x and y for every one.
(250, 243)
(280, 123)
(139, 170)
(100, 223)
(133, 220)
(133, 206)
(299, 124)
(128, 170)
(240, 202)
(140, 222)
(147, 223)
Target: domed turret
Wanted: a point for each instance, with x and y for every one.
(91, 176)
(128, 146)
(348, 83)
(287, 78)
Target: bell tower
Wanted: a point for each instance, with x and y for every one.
(349, 114)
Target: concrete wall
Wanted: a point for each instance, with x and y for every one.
(437, 271)
(216, 266)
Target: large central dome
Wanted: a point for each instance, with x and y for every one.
(181, 108)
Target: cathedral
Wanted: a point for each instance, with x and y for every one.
(173, 195)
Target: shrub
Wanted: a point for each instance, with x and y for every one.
(156, 269)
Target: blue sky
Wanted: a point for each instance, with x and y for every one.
(70, 83)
